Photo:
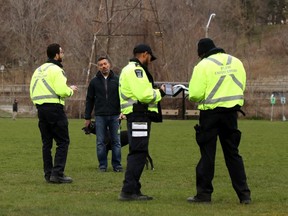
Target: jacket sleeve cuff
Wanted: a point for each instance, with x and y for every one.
(71, 92)
(162, 93)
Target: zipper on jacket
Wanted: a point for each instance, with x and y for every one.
(106, 88)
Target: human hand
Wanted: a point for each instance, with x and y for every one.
(87, 122)
(74, 87)
(163, 87)
(122, 116)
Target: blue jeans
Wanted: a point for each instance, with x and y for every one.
(104, 125)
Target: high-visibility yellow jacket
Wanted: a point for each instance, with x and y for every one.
(134, 86)
(48, 85)
(218, 81)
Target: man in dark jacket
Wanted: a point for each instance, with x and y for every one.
(102, 95)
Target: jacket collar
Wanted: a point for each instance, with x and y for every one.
(212, 52)
(150, 78)
(55, 62)
(99, 74)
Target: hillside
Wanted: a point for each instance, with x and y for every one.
(116, 28)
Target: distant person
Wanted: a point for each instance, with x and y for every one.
(140, 103)
(217, 84)
(103, 97)
(48, 90)
(15, 109)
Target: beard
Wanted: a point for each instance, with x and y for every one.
(105, 72)
(145, 62)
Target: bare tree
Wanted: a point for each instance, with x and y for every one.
(24, 22)
(28, 26)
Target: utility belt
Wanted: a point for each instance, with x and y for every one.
(140, 109)
(236, 108)
(49, 105)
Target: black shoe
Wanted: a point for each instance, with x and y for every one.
(131, 197)
(245, 201)
(60, 179)
(118, 169)
(143, 197)
(196, 199)
(102, 170)
(47, 179)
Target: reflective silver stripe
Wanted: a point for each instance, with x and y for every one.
(124, 97)
(34, 85)
(229, 60)
(40, 69)
(130, 101)
(154, 97)
(215, 61)
(216, 87)
(48, 66)
(209, 99)
(44, 97)
(237, 81)
(123, 106)
(54, 95)
(222, 99)
(49, 87)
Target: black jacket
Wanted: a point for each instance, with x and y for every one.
(103, 95)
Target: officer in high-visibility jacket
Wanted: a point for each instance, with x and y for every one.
(48, 90)
(217, 85)
(140, 104)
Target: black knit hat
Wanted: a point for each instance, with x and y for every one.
(204, 46)
(141, 48)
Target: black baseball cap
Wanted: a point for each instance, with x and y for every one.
(141, 48)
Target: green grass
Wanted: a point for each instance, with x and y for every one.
(5, 114)
(23, 190)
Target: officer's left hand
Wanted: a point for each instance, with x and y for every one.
(162, 90)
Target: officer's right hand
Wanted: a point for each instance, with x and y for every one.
(74, 87)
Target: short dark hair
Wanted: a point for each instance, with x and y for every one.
(52, 50)
(102, 58)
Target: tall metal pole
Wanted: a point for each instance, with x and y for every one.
(2, 71)
(207, 26)
(273, 101)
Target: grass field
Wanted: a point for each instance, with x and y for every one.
(23, 190)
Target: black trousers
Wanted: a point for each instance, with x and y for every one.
(138, 128)
(224, 125)
(53, 124)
